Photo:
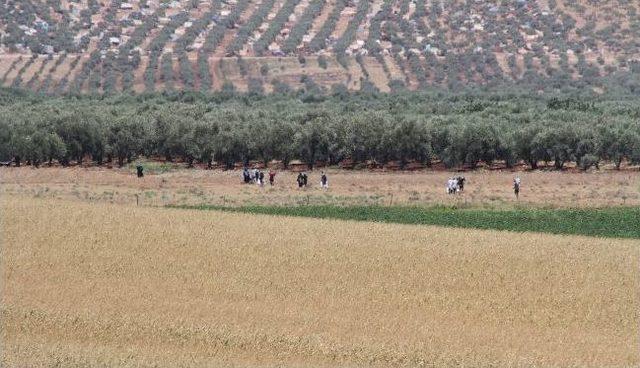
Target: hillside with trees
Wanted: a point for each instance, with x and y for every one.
(321, 46)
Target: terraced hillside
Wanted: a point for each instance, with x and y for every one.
(56, 46)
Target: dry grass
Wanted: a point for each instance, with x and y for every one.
(484, 188)
(111, 285)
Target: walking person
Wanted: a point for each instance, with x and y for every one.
(324, 181)
(305, 179)
(272, 177)
(246, 176)
(261, 179)
(516, 187)
(256, 176)
(461, 180)
(300, 180)
(452, 186)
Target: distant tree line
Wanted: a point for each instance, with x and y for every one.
(454, 129)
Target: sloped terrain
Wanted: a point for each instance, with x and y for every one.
(55, 46)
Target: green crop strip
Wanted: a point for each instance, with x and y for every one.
(623, 222)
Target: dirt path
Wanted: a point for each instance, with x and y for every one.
(484, 188)
(363, 29)
(138, 75)
(247, 50)
(395, 71)
(231, 71)
(230, 34)
(216, 74)
(197, 14)
(377, 76)
(6, 62)
(321, 19)
(11, 76)
(31, 71)
(298, 11)
(345, 17)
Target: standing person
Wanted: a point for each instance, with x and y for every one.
(256, 176)
(461, 180)
(261, 180)
(451, 186)
(305, 179)
(246, 176)
(272, 177)
(300, 180)
(324, 181)
(516, 186)
(140, 170)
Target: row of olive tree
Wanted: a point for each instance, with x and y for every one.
(231, 134)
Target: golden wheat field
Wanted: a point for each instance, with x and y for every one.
(422, 188)
(108, 285)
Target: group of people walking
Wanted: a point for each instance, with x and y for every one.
(455, 185)
(257, 177)
(303, 180)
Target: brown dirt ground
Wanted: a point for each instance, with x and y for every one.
(484, 188)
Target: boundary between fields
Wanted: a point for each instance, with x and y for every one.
(621, 222)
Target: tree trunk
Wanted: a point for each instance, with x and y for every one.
(618, 163)
(403, 164)
(427, 162)
(533, 164)
(17, 161)
(120, 161)
(559, 164)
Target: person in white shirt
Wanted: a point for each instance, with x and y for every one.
(516, 186)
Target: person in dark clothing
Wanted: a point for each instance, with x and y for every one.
(272, 177)
(261, 179)
(305, 179)
(246, 176)
(300, 180)
(324, 181)
(461, 180)
(140, 170)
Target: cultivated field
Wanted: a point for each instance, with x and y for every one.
(259, 46)
(423, 188)
(114, 285)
